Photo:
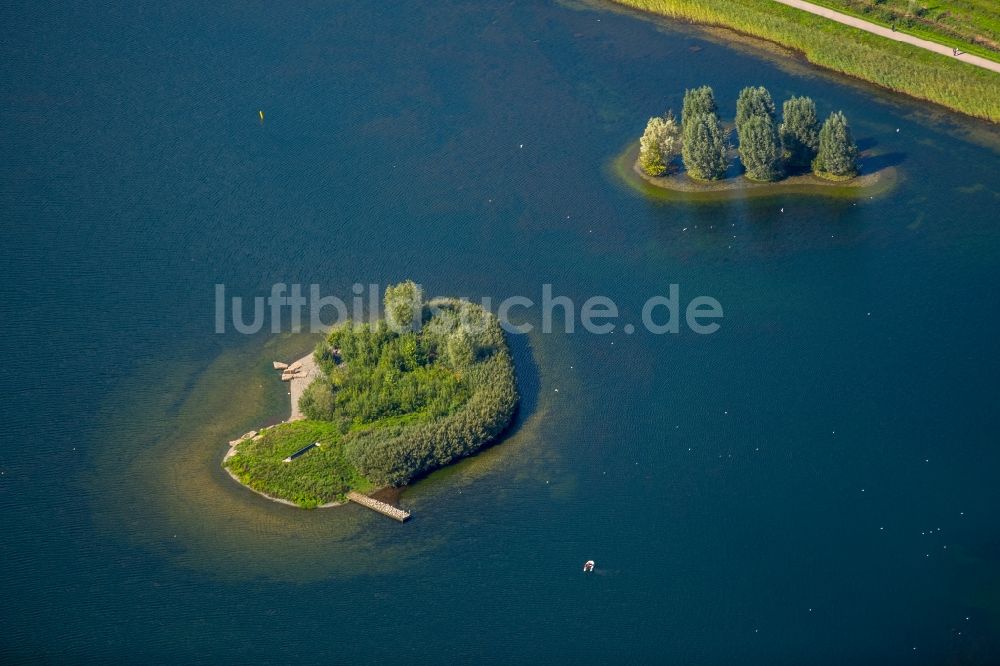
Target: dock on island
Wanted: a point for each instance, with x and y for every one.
(381, 507)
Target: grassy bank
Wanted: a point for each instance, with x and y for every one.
(894, 65)
(971, 25)
(322, 475)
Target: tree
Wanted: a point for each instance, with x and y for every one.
(403, 305)
(704, 147)
(799, 132)
(659, 144)
(461, 349)
(760, 149)
(753, 102)
(838, 154)
(696, 102)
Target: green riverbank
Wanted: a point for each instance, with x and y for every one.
(899, 67)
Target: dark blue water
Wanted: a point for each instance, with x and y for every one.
(815, 483)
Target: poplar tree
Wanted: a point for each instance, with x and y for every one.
(838, 154)
(760, 149)
(705, 148)
(696, 102)
(753, 102)
(799, 132)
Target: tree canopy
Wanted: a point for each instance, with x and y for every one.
(753, 102)
(838, 154)
(705, 149)
(403, 305)
(799, 132)
(760, 149)
(698, 101)
(660, 144)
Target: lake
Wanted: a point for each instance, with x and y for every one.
(813, 483)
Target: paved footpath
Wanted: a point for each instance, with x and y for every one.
(889, 34)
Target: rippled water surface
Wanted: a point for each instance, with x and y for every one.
(815, 483)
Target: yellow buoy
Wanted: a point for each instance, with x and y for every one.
(261, 115)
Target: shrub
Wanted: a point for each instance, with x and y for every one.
(397, 453)
(838, 154)
(799, 132)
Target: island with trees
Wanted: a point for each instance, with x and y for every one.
(426, 385)
(793, 152)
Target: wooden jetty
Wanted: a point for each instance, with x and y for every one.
(377, 505)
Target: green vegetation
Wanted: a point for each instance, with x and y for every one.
(971, 25)
(404, 304)
(760, 149)
(706, 153)
(391, 404)
(698, 101)
(660, 144)
(760, 146)
(897, 66)
(799, 133)
(322, 475)
(753, 102)
(705, 149)
(838, 154)
(767, 153)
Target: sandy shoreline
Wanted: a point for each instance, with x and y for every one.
(681, 187)
(309, 370)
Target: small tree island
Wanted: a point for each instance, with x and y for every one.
(430, 383)
(696, 154)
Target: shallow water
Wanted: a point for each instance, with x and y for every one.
(771, 493)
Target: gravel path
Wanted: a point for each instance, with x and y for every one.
(889, 34)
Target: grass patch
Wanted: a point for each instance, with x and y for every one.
(894, 65)
(320, 476)
(971, 25)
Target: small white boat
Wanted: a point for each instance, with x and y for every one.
(588, 566)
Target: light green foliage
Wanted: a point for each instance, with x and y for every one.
(660, 144)
(760, 149)
(321, 475)
(403, 305)
(753, 102)
(698, 101)
(396, 453)
(902, 67)
(705, 148)
(972, 24)
(799, 132)
(382, 375)
(838, 154)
